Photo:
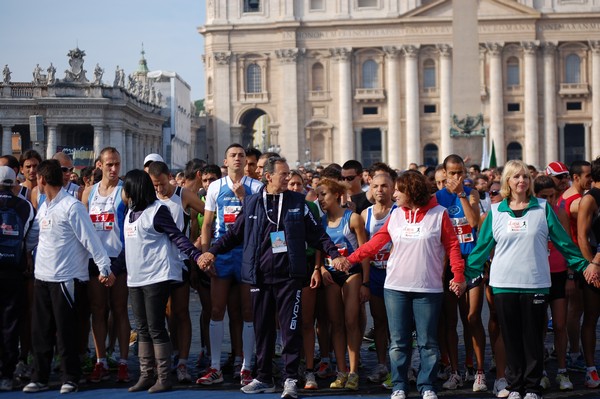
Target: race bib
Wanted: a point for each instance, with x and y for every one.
(230, 214)
(463, 230)
(46, 224)
(103, 221)
(131, 231)
(411, 231)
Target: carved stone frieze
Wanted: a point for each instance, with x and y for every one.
(445, 50)
(222, 57)
(494, 48)
(530, 47)
(341, 53)
(410, 51)
(288, 55)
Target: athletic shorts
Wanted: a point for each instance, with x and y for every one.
(94, 272)
(229, 265)
(557, 289)
(341, 277)
(376, 281)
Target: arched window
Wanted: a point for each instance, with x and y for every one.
(512, 72)
(572, 69)
(430, 154)
(253, 81)
(428, 74)
(318, 77)
(369, 75)
(514, 150)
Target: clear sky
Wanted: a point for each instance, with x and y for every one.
(111, 33)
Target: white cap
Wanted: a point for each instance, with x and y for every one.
(8, 177)
(153, 158)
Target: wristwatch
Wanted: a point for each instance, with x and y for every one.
(462, 195)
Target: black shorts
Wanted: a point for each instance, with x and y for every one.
(557, 289)
(341, 277)
(185, 277)
(94, 272)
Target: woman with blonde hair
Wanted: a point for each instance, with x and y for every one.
(519, 229)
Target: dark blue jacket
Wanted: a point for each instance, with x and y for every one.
(298, 223)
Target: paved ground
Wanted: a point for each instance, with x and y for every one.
(230, 389)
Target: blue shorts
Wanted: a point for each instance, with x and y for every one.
(376, 281)
(229, 265)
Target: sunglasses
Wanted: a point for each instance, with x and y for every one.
(65, 169)
(493, 193)
(348, 178)
(562, 176)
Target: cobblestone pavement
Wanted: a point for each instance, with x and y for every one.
(230, 388)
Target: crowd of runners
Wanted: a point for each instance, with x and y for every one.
(296, 258)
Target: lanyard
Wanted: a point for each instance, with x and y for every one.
(278, 210)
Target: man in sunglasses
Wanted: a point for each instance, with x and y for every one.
(352, 175)
(66, 167)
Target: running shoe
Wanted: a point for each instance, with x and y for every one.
(378, 374)
(500, 388)
(454, 382)
(479, 384)
(290, 390)
(33, 387)
(591, 379)
(324, 370)
(183, 376)
(212, 376)
(563, 381)
(310, 380)
(399, 394)
(429, 395)
(100, 373)
(340, 381)
(123, 373)
(257, 386)
(352, 382)
(245, 377)
(68, 387)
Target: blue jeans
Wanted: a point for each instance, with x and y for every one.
(407, 311)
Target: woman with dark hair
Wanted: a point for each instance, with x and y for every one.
(152, 241)
(422, 234)
(344, 290)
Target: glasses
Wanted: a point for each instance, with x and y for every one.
(493, 193)
(348, 178)
(562, 176)
(65, 169)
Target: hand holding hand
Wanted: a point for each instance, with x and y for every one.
(341, 263)
(592, 274)
(458, 288)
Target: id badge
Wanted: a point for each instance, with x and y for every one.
(278, 244)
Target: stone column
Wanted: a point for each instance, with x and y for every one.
(384, 145)
(550, 128)
(496, 102)
(445, 100)
(595, 140)
(222, 100)
(98, 140)
(346, 136)
(588, 140)
(6, 140)
(531, 103)
(411, 79)
(391, 151)
(117, 137)
(128, 162)
(51, 142)
(561, 142)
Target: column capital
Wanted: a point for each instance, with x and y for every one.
(530, 47)
(594, 46)
(549, 48)
(411, 51)
(289, 55)
(494, 48)
(392, 52)
(445, 50)
(341, 53)
(222, 57)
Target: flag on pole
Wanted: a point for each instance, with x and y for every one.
(493, 157)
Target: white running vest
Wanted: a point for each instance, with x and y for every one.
(104, 214)
(521, 256)
(148, 253)
(175, 205)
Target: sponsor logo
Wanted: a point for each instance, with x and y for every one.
(296, 311)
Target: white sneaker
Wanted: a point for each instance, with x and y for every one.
(379, 374)
(514, 395)
(454, 382)
(68, 387)
(500, 388)
(399, 394)
(257, 386)
(479, 384)
(564, 383)
(531, 395)
(545, 382)
(33, 387)
(429, 395)
(290, 391)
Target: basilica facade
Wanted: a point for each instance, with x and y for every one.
(372, 79)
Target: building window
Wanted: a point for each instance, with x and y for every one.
(512, 72)
(366, 3)
(369, 75)
(572, 69)
(574, 106)
(430, 154)
(514, 150)
(253, 81)
(429, 74)
(370, 111)
(429, 109)
(513, 107)
(318, 77)
(317, 5)
(251, 5)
